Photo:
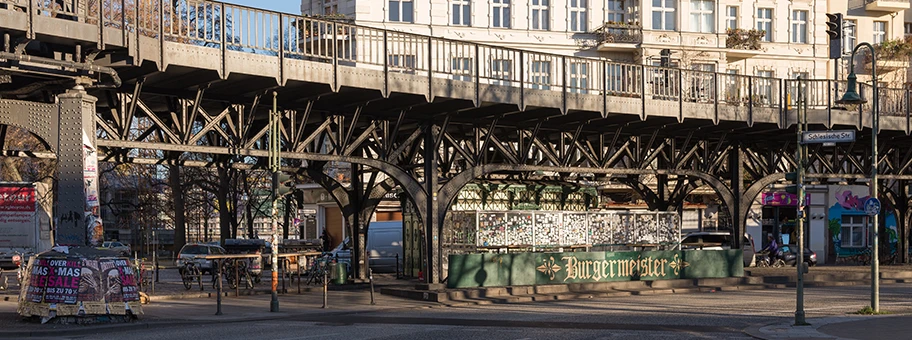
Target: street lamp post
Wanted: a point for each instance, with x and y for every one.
(274, 164)
(851, 97)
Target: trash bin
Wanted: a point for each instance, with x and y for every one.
(338, 272)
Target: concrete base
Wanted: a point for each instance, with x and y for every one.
(430, 286)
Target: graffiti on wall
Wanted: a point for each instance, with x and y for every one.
(849, 204)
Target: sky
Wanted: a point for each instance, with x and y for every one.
(286, 6)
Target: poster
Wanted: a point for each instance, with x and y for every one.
(128, 283)
(100, 286)
(94, 226)
(62, 280)
(17, 217)
(37, 280)
(108, 280)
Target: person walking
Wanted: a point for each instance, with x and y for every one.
(327, 241)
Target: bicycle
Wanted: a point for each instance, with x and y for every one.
(243, 274)
(143, 275)
(190, 271)
(317, 271)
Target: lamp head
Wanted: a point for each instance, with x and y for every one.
(851, 95)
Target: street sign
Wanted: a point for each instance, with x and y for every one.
(831, 136)
(872, 206)
(307, 211)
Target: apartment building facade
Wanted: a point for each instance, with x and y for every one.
(778, 39)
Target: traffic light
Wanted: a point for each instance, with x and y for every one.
(834, 30)
(792, 178)
(285, 184)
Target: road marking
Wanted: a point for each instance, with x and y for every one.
(309, 336)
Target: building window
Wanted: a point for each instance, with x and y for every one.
(401, 11)
(615, 11)
(616, 78)
(501, 71)
(765, 22)
(462, 12)
(663, 15)
(849, 35)
(579, 77)
(701, 16)
(880, 32)
(853, 231)
(793, 89)
(764, 87)
(330, 7)
(579, 21)
(731, 17)
(500, 12)
(541, 75)
(462, 68)
(403, 62)
(540, 14)
(907, 27)
(733, 88)
(800, 27)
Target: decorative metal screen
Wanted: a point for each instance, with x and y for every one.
(547, 229)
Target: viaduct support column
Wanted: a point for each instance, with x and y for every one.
(431, 225)
(739, 206)
(78, 215)
(359, 261)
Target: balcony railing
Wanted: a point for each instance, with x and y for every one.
(620, 33)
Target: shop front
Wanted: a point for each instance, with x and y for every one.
(778, 218)
(850, 228)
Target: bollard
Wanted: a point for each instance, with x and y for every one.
(325, 280)
(237, 279)
(299, 272)
(218, 286)
(397, 267)
(285, 264)
(370, 277)
(156, 268)
(154, 272)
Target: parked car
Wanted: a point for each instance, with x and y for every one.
(190, 251)
(719, 240)
(789, 254)
(121, 248)
(384, 242)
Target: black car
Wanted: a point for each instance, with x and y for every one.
(789, 254)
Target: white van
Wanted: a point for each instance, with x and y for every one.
(384, 242)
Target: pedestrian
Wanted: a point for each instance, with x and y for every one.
(327, 241)
(772, 247)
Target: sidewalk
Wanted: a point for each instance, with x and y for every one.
(880, 327)
(202, 310)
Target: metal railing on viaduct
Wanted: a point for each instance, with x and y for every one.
(179, 78)
(230, 39)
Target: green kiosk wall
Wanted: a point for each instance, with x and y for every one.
(494, 270)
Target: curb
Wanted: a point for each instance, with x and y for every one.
(148, 324)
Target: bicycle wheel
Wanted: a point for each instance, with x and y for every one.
(187, 277)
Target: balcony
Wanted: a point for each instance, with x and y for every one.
(887, 5)
(743, 44)
(892, 55)
(615, 36)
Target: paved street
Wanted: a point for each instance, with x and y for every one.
(718, 315)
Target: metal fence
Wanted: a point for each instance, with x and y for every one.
(287, 36)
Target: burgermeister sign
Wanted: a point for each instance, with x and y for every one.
(492, 270)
